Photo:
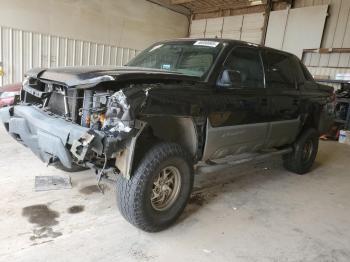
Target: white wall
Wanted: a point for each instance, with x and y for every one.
(21, 50)
(123, 23)
(54, 33)
(247, 27)
(294, 30)
(336, 35)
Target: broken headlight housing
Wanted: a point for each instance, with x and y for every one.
(118, 116)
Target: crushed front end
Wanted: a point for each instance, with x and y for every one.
(91, 124)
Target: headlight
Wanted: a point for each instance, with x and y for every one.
(8, 94)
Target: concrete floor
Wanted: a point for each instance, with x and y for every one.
(254, 212)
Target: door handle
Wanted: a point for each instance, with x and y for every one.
(295, 102)
(264, 101)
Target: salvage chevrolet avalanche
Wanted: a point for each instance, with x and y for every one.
(177, 106)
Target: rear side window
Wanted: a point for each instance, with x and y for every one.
(298, 70)
(246, 66)
(280, 72)
(306, 72)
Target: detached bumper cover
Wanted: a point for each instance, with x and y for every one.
(46, 135)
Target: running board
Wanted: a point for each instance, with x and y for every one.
(230, 161)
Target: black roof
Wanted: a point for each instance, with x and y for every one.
(228, 41)
(220, 40)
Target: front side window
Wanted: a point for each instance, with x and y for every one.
(280, 72)
(193, 58)
(245, 68)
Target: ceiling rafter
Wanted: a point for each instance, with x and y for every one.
(202, 7)
(198, 6)
(196, 9)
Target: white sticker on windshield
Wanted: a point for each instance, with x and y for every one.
(207, 43)
(166, 67)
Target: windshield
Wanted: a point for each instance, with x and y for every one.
(193, 58)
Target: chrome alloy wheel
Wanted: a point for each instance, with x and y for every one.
(166, 188)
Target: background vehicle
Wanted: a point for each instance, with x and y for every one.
(176, 105)
(8, 93)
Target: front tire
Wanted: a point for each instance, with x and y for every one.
(304, 152)
(158, 191)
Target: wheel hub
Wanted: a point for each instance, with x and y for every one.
(166, 188)
(307, 150)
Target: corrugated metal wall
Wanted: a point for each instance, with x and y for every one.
(21, 50)
(294, 30)
(336, 35)
(246, 27)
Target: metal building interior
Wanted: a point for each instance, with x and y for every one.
(253, 210)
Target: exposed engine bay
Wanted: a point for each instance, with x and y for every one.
(85, 107)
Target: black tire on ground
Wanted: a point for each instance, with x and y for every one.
(134, 195)
(73, 169)
(304, 152)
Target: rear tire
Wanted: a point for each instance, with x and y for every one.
(304, 152)
(158, 191)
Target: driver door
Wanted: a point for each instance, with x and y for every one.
(238, 120)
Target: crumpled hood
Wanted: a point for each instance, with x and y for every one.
(75, 76)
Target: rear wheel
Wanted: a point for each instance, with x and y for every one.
(304, 152)
(157, 193)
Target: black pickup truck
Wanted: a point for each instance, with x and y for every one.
(177, 106)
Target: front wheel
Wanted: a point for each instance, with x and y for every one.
(304, 152)
(158, 191)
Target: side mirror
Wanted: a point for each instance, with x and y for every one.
(229, 79)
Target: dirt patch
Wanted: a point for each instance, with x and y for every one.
(76, 209)
(44, 232)
(196, 199)
(41, 215)
(44, 218)
(88, 190)
(140, 255)
(200, 198)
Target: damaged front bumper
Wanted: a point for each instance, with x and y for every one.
(53, 138)
(49, 137)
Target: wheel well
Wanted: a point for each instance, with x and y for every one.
(180, 130)
(312, 119)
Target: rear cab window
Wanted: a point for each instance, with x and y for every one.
(306, 72)
(280, 70)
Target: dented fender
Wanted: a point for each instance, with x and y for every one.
(123, 150)
(124, 159)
